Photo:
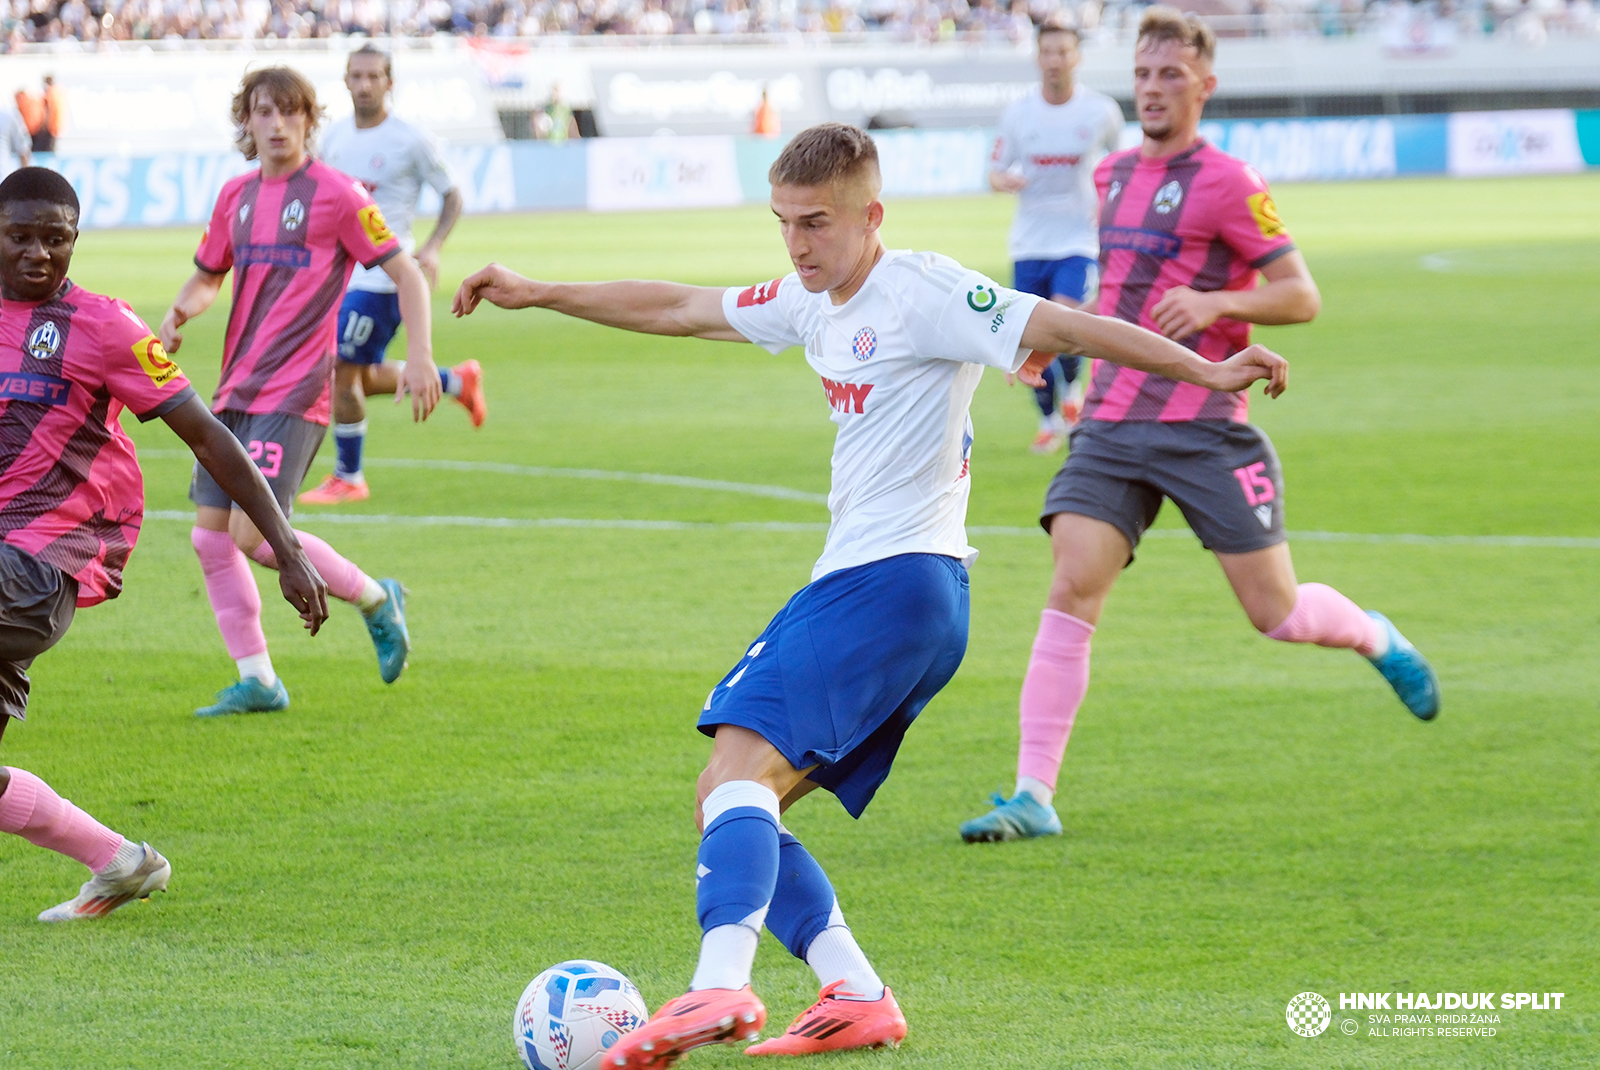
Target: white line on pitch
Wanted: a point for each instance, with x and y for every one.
(382, 519)
(759, 490)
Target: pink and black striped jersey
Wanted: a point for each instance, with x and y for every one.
(292, 243)
(1199, 218)
(70, 489)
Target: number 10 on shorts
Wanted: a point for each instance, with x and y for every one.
(1258, 488)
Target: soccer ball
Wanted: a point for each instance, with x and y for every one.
(571, 1013)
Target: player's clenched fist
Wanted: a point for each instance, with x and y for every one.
(1181, 312)
(171, 339)
(1248, 365)
(496, 284)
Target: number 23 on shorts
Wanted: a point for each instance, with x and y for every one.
(267, 455)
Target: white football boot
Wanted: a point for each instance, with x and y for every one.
(110, 889)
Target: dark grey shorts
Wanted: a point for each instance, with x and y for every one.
(1224, 476)
(36, 606)
(282, 446)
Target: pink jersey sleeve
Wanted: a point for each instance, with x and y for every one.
(137, 370)
(216, 244)
(1248, 219)
(362, 229)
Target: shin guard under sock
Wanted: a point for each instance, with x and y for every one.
(31, 809)
(232, 591)
(737, 871)
(1052, 691)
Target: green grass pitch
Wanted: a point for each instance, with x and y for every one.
(370, 879)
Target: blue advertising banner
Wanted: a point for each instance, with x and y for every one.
(615, 174)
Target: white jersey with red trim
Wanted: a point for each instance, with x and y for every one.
(899, 363)
(1056, 148)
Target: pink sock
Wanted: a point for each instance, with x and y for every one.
(1323, 616)
(1057, 680)
(345, 581)
(31, 810)
(232, 590)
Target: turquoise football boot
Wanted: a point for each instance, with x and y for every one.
(1020, 817)
(247, 696)
(1408, 672)
(387, 626)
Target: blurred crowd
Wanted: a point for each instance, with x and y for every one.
(91, 21)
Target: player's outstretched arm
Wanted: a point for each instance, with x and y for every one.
(416, 312)
(1054, 328)
(194, 298)
(668, 308)
(222, 455)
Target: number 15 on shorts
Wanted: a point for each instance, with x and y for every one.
(1257, 485)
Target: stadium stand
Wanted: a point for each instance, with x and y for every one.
(29, 24)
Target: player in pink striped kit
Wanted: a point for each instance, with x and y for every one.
(72, 499)
(291, 233)
(1185, 230)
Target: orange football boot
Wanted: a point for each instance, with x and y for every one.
(710, 1016)
(336, 491)
(834, 1024)
(1047, 441)
(471, 373)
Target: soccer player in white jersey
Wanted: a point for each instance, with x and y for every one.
(824, 695)
(1049, 144)
(393, 160)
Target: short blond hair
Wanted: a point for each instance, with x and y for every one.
(1162, 23)
(289, 89)
(825, 155)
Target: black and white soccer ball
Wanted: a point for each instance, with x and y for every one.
(571, 1013)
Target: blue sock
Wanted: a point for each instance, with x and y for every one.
(1045, 396)
(450, 382)
(738, 868)
(348, 440)
(803, 900)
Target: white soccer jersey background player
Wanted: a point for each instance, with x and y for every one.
(824, 696)
(1048, 146)
(394, 161)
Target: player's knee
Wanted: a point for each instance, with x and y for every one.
(1077, 594)
(244, 535)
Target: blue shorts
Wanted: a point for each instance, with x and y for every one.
(367, 322)
(1072, 277)
(841, 672)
